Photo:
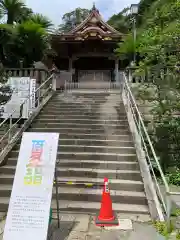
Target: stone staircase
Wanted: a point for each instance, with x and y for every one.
(95, 142)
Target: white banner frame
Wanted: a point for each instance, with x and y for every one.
(29, 207)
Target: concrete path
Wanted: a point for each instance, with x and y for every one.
(82, 227)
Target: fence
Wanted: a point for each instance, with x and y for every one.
(9, 127)
(38, 74)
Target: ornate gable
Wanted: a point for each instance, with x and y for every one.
(93, 27)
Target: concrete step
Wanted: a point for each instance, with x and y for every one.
(91, 142)
(78, 116)
(81, 120)
(114, 165)
(95, 148)
(75, 112)
(94, 136)
(94, 207)
(79, 106)
(87, 172)
(78, 130)
(79, 125)
(116, 184)
(90, 148)
(88, 194)
(79, 93)
(77, 100)
(89, 156)
(92, 96)
(85, 207)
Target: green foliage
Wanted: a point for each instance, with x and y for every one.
(25, 36)
(157, 32)
(158, 35)
(43, 21)
(121, 21)
(31, 40)
(170, 233)
(5, 90)
(166, 127)
(173, 177)
(178, 235)
(126, 49)
(162, 228)
(73, 18)
(12, 8)
(3, 75)
(175, 212)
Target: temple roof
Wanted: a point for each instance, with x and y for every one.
(93, 19)
(93, 27)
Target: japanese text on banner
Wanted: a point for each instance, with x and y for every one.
(34, 174)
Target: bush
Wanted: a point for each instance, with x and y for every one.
(167, 143)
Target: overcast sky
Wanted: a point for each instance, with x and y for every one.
(55, 9)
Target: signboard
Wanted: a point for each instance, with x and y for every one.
(32, 95)
(22, 88)
(29, 207)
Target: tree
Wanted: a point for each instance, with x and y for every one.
(43, 21)
(121, 21)
(7, 36)
(26, 13)
(11, 8)
(158, 36)
(73, 18)
(30, 42)
(24, 36)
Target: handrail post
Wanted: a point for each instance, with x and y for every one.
(10, 126)
(38, 97)
(54, 79)
(169, 208)
(128, 101)
(140, 132)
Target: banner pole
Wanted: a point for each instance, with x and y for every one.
(57, 198)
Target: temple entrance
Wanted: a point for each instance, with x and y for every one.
(93, 69)
(94, 63)
(94, 75)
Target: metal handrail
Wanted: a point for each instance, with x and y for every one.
(9, 119)
(147, 135)
(147, 146)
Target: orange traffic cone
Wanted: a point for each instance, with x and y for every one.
(106, 216)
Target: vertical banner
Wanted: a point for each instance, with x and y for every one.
(32, 104)
(29, 207)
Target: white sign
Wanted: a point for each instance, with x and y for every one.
(29, 207)
(22, 88)
(32, 94)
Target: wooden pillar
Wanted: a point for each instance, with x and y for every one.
(70, 64)
(70, 67)
(75, 72)
(116, 70)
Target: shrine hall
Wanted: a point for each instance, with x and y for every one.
(87, 51)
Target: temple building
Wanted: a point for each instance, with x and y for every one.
(87, 51)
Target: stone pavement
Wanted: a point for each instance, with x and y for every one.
(82, 227)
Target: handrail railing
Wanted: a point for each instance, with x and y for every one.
(141, 135)
(11, 125)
